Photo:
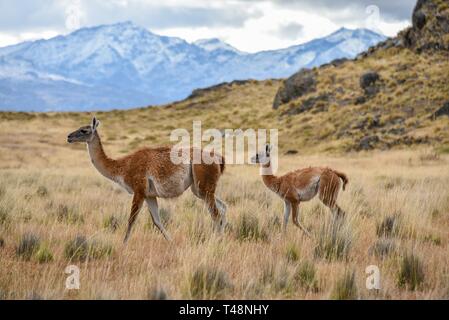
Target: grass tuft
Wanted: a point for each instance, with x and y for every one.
(305, 275)
(334, 241)
(411, 272)
(248, 228)
(111, 223)
(345, 288)
(208, 283)
(80, 249)
(29, 245)
(382, 247)
(388, 227)
(291, 253)
(44, 255)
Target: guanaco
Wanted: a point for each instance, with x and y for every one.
(149, 174)
(302, 185)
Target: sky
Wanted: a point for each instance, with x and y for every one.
(248, 25)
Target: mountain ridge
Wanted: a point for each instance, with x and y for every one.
(123, 65)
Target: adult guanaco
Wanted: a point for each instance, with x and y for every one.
(150, 173)
(302, 185)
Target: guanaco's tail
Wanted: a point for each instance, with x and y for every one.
(343, 177)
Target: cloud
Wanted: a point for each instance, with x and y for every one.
(249, 25)
(290, 31)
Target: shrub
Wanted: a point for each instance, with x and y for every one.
(80, 249)
(248, 229)
(334, 241)
(28, 246)
(345, 288)
(206, 282)
(389, 226)
(411, 273)
(44, 255)
(2, 242)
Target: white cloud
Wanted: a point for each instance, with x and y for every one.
(248, 25)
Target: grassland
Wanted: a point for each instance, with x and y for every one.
(50, 195)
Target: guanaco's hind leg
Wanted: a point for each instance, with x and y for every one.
(135, 209)
(330, 185)
(205, 178)
(295, 218)
(154, 212)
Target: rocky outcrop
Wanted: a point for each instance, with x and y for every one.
(299, 84)
(443, 111)
(430, 26)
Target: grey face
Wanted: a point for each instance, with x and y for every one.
(262, 157)
(84, 134)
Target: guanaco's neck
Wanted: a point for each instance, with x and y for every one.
(269, 179)
(105, 165)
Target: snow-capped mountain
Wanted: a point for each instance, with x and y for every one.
(124, 65)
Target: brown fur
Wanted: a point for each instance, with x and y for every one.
(303, 185)
(149, 174)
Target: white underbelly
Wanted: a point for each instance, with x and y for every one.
(171, 186)
(310, 191)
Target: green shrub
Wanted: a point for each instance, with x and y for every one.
(44, 255)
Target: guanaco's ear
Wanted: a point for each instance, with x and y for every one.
(95, 124)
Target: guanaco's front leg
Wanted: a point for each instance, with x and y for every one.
(135, 209)
(295, 218)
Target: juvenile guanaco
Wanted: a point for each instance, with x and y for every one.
(302, 185)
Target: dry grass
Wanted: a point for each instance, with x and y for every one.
(77, 217)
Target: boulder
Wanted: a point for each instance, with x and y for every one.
(297, 85)
(443, 111)
(368, 142)
(369, 79)
(419, 19)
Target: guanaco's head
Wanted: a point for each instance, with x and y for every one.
(84, 134)
(262, 157)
